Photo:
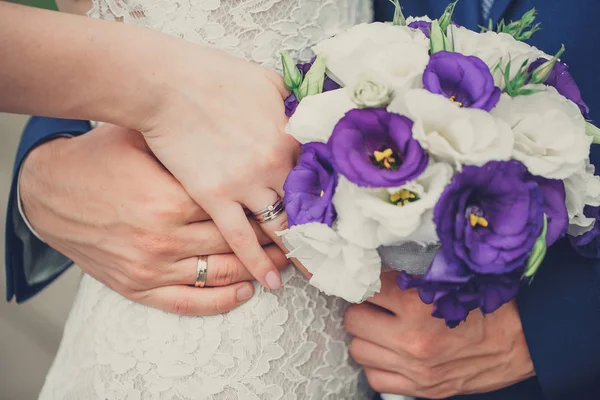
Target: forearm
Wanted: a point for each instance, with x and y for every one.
(69, 66)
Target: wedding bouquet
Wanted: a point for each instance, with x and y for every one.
(454, 156)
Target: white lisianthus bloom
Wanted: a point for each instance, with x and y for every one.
(316, 116)
(338, 268)
(371, 94)
(425, 18)
(495, 49)
(367, 217)
(455, 135)
(395, 56)
(582, 188)
(549, 132)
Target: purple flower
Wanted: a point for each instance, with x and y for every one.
(423, 26)
(555, 208)
(561, 79)
(375, 148)
(488, 219)
(588, 244)
(454, 300)
(466, 80)
(291, 102)
(310, 186)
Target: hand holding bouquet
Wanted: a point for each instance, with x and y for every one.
(453, 156)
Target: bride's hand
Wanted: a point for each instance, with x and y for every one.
(220, 132)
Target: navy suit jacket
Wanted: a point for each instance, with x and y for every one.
(560, 310)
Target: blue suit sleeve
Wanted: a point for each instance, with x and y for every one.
(21, 245)
(560, 312)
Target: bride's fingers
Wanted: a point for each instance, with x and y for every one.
(272, 228)
(187, 300)
(237, 230)
(222, 269)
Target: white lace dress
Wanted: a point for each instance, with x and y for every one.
(285, 344)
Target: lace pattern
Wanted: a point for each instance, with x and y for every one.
(286, 344)
(256, 30)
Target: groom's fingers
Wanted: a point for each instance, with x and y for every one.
(222, 269)
(186, 300)
(206, 238)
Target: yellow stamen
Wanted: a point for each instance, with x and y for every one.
(382, 155)
(385, 156)
(453, 99)
(476, 220)
(322, 193)
(402, 197)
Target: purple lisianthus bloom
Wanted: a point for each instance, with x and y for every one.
(588, 244)
(489, 217)
(454, 292)
(310, 186)
(423, 26)
(561, 79)
(555, 208)
(466, 80)
(375, 148)
(488, 220)
(291, 102)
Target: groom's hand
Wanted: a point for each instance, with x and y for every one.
(103, 201)
(404, 350)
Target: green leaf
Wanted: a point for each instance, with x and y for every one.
(520, 84)
(593, 131)
(292, 77)
(437, 38)
(446, 18)
(541, 73)
(537, 253)
(398, 15)
(314, 79)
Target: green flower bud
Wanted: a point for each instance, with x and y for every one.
(314, 79)
(593, 131)
(398, 15)
(537, 253)
(292, 77)
(437, 38)
(446, 18)
(541, 73)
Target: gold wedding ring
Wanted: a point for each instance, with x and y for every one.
(269, 213)
(201, 271)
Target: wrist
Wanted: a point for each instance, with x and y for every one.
(35, 173)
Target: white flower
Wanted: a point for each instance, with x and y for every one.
(367, 218)
(410, 20)
(495, 49)
(582, 188)
(316, 116)
(549, 132)
(371, 94)
(392, 55)
(453, 134)
(338, 267)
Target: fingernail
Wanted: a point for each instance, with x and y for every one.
(273, 280)
(244, 293)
